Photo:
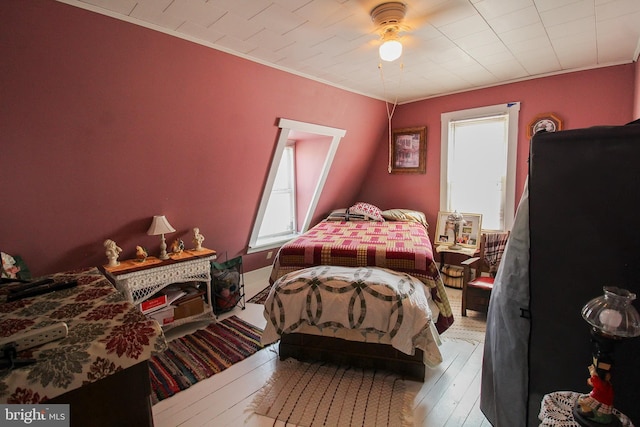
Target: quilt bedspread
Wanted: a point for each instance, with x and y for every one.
(367, 299)
(396, 245)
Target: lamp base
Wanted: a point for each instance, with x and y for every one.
(163, 249)
(455, 246)
(584, 420)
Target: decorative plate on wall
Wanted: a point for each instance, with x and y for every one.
(548, 122)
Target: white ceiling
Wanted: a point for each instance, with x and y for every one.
(452, 45)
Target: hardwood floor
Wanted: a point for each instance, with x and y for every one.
(448, 397)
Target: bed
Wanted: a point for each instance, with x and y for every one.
(400, 246)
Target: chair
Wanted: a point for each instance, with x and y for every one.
(476, 292)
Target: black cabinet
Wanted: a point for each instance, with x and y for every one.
(584, 201)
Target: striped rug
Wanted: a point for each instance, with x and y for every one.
(261, 296)
(310, 394)
(198, 356)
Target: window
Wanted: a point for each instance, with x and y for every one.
(280, 215)
(291, 192)
(478, 163)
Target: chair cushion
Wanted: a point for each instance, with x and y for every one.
(482, 282)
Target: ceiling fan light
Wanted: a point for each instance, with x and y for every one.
(390, 50)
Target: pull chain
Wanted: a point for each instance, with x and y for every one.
(389, 111)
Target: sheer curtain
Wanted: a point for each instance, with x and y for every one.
(477, 170)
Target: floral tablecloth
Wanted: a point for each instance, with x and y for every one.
(107, 334)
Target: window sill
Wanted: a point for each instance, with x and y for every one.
(266, 244)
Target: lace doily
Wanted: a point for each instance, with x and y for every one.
(556, 410)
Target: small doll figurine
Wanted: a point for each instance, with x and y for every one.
(597, 406)
(197, 239)
(177, 246)
(112, 252)
(141, 254)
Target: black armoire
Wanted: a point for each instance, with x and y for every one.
(584, 233)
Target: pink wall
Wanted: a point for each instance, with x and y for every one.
(105, 124)
(310, 155)
(603, 96)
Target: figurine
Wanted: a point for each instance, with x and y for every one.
(197, 239)
(177, 246)
(141, 254)
(597, 406)
(112, 252)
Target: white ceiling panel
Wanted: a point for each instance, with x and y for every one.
(196, 11)
(278, 19)
(491, 9)
(569, 13)
(449, 45)
(584, 27)
(237, 26)
(152, 14)
(515, 20)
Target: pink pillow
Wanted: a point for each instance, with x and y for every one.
(368, 210)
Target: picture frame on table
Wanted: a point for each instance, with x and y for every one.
(408, 151)
(469, 234)
(548, 122)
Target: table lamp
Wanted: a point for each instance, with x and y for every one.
(612, 318)
(160, 226)
(456, 219)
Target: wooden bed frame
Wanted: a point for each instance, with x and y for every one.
(306, 347)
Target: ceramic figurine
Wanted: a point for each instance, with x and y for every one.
(141, 254)
(197, 239)
(597, 406)
(112, 252)
(177, 246)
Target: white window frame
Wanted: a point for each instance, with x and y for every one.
(287, 127)
(289, 150)
(512, 110)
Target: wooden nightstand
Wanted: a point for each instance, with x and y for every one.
(454, 281)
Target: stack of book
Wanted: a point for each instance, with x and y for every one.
(173, 303)
(159, 306)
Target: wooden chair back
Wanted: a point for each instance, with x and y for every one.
(476, 290)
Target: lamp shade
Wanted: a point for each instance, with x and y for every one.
(455, 217)
(160, 225)
(390, 50)
(612, 313)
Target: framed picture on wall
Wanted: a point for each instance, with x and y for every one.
(468, 234)
(547, 122)
(408, 150)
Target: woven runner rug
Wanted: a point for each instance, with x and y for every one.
(315, 394)
(469, 328)
(261, 296)
(198, 356)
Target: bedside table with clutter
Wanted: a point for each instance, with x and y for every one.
(170, 291)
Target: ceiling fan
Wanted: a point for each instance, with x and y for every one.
(388, 18)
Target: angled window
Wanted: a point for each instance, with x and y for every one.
(478, 163)
(280, 215)
(301, 162)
